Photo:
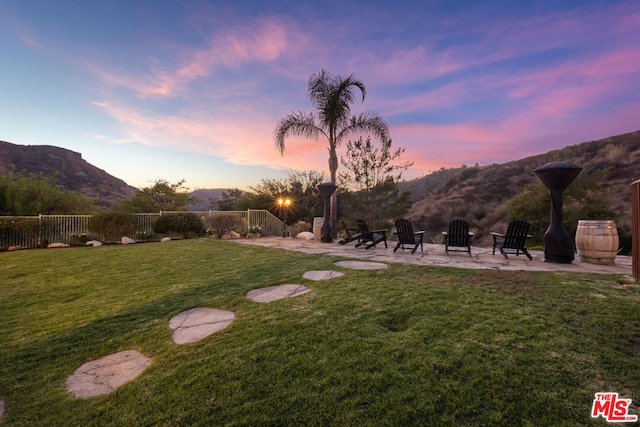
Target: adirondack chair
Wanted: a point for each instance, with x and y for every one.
(514, 240)
(458, 236)
(368, 237)
(406, 236)
(350, 237)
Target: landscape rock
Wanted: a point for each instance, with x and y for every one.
(58, 245)
(305, 235)
(165, 239)
(14, 248)
(94, 243)
(104, 375)
(127, 240)
(198, 323)
(231, 235)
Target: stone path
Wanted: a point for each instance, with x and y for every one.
(321, 274)
(361, 265)
(104, 375)
(198, 323)
(273, 293)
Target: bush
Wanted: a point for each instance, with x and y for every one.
(20, 229)
(221, 223)
(110, 226)
(186, 224)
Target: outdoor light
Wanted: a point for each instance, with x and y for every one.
(284, 204)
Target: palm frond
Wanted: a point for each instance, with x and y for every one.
(296, 124)
(365, 122)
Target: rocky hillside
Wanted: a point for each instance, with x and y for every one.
(478, 193)
(68, 167)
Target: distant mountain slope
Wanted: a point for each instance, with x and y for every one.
(69, 168)
(479, 193)
(207, 199)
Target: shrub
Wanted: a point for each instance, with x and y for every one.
(221, 223)
(18, 229)
(111, 226)
(186, 224)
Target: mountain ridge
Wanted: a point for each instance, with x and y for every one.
(69, 170)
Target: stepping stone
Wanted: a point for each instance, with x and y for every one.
(277, 292)
(102, 376)
(321, 274)
(198, 323)
(361, 265)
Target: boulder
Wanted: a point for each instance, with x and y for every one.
(305, 235)
(231, 235)
(94, 243)
(127, 240)
(57, 245)
(165, 239)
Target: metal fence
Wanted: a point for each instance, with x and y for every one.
(39, 231)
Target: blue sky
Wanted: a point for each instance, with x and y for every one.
(193, 89)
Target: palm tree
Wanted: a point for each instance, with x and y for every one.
(332, 96)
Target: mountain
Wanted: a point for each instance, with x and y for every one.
(478, 193)
(206, 199)
(70, 170)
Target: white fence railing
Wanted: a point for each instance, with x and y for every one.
(39, 231)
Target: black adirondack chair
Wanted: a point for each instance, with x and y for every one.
(368, 237)
(458, 238)
(350, 237)
(406, 236)
(514, 240)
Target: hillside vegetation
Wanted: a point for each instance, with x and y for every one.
(479, 194)
(69, 170)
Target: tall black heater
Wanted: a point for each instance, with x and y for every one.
(326, 190)
(558, 246)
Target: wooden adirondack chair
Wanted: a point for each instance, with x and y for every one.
(368, 237)
(350, 237)
(458, 236)
(406, 236)
(514, 240)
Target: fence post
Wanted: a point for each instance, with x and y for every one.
(635, 228)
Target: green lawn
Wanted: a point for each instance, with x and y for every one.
(409, 345)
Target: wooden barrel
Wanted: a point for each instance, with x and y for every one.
(597, 241)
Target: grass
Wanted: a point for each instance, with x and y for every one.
(409, 345)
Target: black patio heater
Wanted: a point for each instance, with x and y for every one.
(326, 189)
(556, 176)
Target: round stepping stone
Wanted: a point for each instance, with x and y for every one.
(322, 274)
(198, 323)
(277, 292)
(362, 265)
(102, 376)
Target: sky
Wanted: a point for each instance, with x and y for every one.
(193, 89)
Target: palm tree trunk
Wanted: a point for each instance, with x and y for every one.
(333, 168)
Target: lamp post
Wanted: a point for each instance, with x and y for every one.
(284, 203)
